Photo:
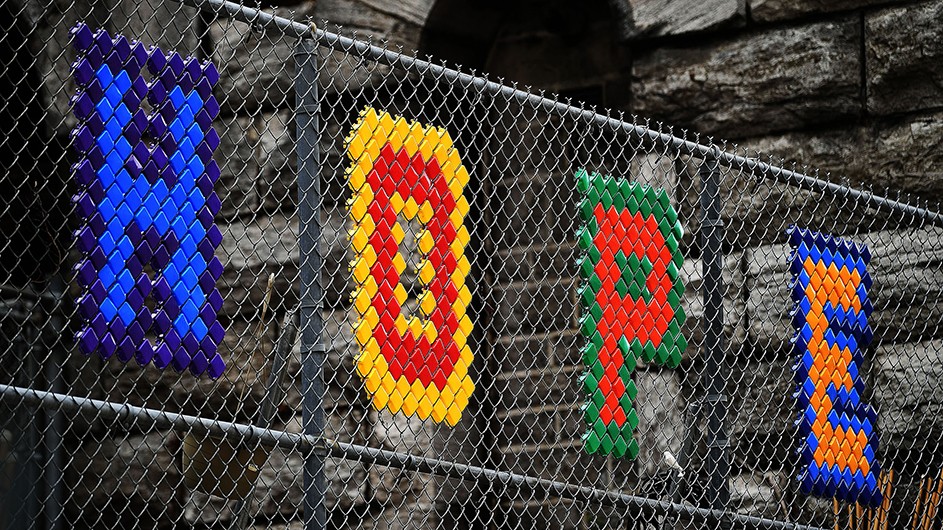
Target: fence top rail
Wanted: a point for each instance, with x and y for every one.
(753, 166)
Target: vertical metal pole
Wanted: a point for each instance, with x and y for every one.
(55, 420)
(714, 377)
(309, 227)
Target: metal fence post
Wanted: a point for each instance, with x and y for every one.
(714, 377)
(309, 227)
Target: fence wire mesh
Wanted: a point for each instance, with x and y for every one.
(365, 202)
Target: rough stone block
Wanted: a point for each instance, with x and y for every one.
(415, 511)
(902, 155)
(126, 481)
(781, 79)
(344, 388)
(692, 276)
(49, 23)
(762, 412)
(656, 18)
(396, 22)
(905, 58)
(169, 26)
(256, 69)
(280, 488)
(657, 171)
(520, 353)
(906, 293)
(259, 67)
(555, 514)
(907, 394)
(760, 494)
(237, 394)
(250, 251)
(396, 432)
(908, 155)
(271, 240)
(565, 463)
(243, 290)
(660, 409)
(527, 429)
(275, 153)
(538, 388)
(757, 210)
(537, 307)
(238, 167)
(770, 10)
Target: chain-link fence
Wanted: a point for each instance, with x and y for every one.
(318, 283)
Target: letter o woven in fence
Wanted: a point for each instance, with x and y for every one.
(414, 364)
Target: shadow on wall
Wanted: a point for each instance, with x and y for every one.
(34, 200)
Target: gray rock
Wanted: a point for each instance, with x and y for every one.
(904, 66)
(412, 512)
(907, 394)
(660, 409)
(396, 23)
(656, 18)
(271, 240)
(400, 433)
(908, 155)
(567, 462)
(294, 525)
(903, 155)
(238, 167)
(833, 153)
(344, 386)
(781, 79)
(250, 251)
(280, 488)
(754, 210)
(692, 277)
(540, 211)
(905, 291)
(535, 307)
(529, 429)
(51, 45)
(555, 514)
(275, 154)
(169, 26)
(759, 494)
(761, 412)
(769, 10)
(234, 395)
(518, 353)
(538, 389)
(411, 11)
(127, 478)
(256, 69)
(657, 171)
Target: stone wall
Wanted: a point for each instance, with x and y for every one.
(845, 87)
(851, 87)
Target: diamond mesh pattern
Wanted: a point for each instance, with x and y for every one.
(424, 280)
